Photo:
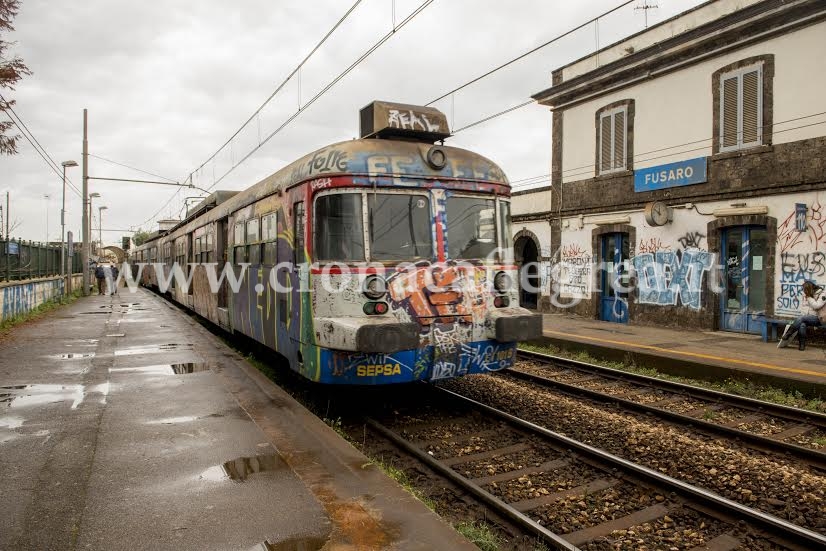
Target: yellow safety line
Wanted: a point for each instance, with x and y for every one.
(694, 354)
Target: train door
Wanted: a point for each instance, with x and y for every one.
(743, 305)
(614, 279)
(222, 257)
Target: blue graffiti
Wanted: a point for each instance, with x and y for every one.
(17, 299)
(662, 277)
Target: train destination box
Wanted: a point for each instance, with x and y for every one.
(682, 173)
(383, 119)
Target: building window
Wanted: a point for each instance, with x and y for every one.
(741, 108)
(615, 137)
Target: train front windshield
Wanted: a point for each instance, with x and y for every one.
(399, 227)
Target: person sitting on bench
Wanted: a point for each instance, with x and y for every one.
(815, 317)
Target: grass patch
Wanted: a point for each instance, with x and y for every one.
(38, 312)
(480, 534)
(404, 481)
(744, 388)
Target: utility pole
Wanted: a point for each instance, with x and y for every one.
(8, 241)
(86, 235)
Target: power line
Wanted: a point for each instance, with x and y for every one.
(131, 167)
(531, 51)
(50, 162)
(257, 111)
(324, 90)
(284, 82)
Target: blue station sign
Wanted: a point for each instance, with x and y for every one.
(682, 173)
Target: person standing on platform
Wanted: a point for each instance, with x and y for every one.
(100, 275)
(815, 317)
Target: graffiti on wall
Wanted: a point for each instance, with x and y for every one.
(666, 278)
(573, 272)
(796, 268)
(652, 245)
(20, 298)
(813, 238)
(692, 240)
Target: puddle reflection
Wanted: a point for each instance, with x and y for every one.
(238, 470)
(152, 349)
(73, 356)
(20, 396)
(164, 369)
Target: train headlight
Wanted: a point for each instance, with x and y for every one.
(374, 287)
(502, 282)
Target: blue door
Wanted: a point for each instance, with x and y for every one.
(743, 304)
(614, 278)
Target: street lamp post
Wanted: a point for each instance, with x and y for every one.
(63, 270)
(91, 211)
(100, 229)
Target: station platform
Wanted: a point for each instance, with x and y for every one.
(124, 424)
(712, 355)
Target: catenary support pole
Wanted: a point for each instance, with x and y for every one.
(86, 234)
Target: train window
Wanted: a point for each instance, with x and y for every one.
(238, 234)
(254, 254)
(298, 231)
(210, 256)
(339, 231)
(268, 229)
(471, 227)
(270, 252)
(252, 230)
(399, 226)
(505, 239)
(240, 254)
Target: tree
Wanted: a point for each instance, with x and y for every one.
(139, 237)
(11, 71)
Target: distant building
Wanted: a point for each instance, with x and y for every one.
(688, 172)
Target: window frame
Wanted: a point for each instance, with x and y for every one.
(739, 73)
(610, 113)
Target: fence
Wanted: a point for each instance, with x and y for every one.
(21, 259)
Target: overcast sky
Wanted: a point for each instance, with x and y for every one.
(166, 83)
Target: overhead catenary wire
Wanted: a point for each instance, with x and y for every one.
(264, 104)
(32, 139)
(131, 167)
(324, 90)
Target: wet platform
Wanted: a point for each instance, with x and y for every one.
(124, 424)
(699, 354)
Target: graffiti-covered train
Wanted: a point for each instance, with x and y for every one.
(385, 259)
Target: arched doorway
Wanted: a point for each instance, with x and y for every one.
(527, 259)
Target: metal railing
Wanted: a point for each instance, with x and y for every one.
(21, 259)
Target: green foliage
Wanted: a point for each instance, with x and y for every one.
(140, 237)
(480, 534)
(12, 69)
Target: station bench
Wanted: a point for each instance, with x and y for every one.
(773, 328)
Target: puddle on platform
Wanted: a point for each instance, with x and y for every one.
(292, 544)
(20, 396)
(104, 313)
(10, 422)
(174, 420)
(74, 356)
(152, 349)
(116, 335)
(164, 369)
(238, 470)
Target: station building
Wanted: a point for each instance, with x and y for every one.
(688, 177)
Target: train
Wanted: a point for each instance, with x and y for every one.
(381, 260)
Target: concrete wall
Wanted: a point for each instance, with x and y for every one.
(19, 297)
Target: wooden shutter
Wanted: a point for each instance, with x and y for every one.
(728, 117)
(605, 143)
(619, 140)
(751, 108)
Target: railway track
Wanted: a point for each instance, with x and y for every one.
(572, 495)
(766, 426)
